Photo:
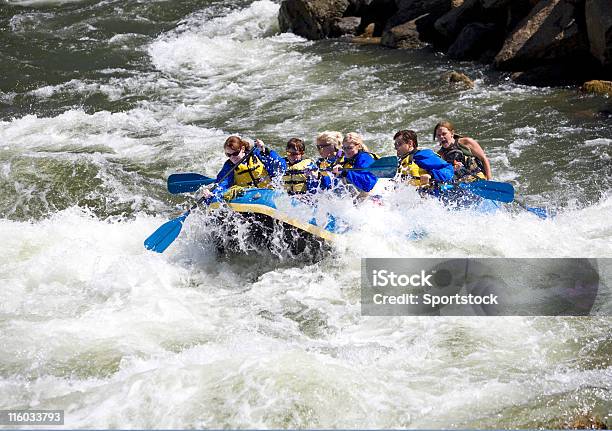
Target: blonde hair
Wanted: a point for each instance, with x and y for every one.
(331, 137)
(356, 139)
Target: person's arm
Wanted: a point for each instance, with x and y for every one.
(478, 152)
(439, 168)
(312, 177)
(363, 180)
(222, 186)
(274, 163)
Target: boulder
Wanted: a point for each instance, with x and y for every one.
(312, 19)
(568, 72)
(404, 36)
(459, 78)
(598, 16)
(597, 87)
(346, 25)
(474, 40)
(550, 33)
(408, 10)
(452, 22)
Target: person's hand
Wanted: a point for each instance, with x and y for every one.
(259, 144)
(310, 173)
(457, 165)
(336, 170)
(203, 193)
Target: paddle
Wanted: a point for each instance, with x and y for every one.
(166, 234)
(494, 190)
(191, 182)
(540, 212)
(187, 182)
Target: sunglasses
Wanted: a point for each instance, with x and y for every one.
(234, 154)
(349, 147)
(291, 153)
(323, 146)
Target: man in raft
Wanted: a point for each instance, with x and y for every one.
(419, 166)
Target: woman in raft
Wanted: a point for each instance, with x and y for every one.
(259, 169)
(465, 154)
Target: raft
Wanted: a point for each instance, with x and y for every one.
(270, 220)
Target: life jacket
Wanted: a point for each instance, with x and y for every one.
(252, 173)
(325, 165)
(409, 171)
(472, 166)
(295, 176)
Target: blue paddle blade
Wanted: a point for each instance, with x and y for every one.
(165, 234)
(540, 212)
(496, 191)
(187, 182)
(382, 171)
(385, 167)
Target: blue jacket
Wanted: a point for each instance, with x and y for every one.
(363, 180)
(440, 170)
(274, 164)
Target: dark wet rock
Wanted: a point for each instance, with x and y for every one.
(598, 16)
(404, 36)
(551, 32)
(452, 22)
(376, 12)
(475, 40)
(460, 79)
(408, 10)
(597, 87)
(346, 25)
(312, 19)
(571, 72)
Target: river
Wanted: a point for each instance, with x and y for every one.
(101, 100)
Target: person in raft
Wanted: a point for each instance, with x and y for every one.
(257, 170)
(301, 175)
(329, 145)
(466, 154)
(356, 155)
(419, 166)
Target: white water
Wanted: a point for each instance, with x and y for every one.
(119, 337)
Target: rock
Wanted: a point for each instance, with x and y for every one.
(346, 25)
(375, 12)
(568, 72)
(459, 78)
(597, 87)
(495, 4)
(368, 31)
(549, 33)
(404, 36)
(474, 40)
(452, 22)
(585, 421)
(598, 16)
(408, 10)
(312, 19)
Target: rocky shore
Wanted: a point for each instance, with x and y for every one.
(543, 43)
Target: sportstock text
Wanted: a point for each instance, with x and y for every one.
(389, 279)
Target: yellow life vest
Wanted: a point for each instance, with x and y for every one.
(409, 171)
(325, 165)
(295, 177)
(252, 173)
